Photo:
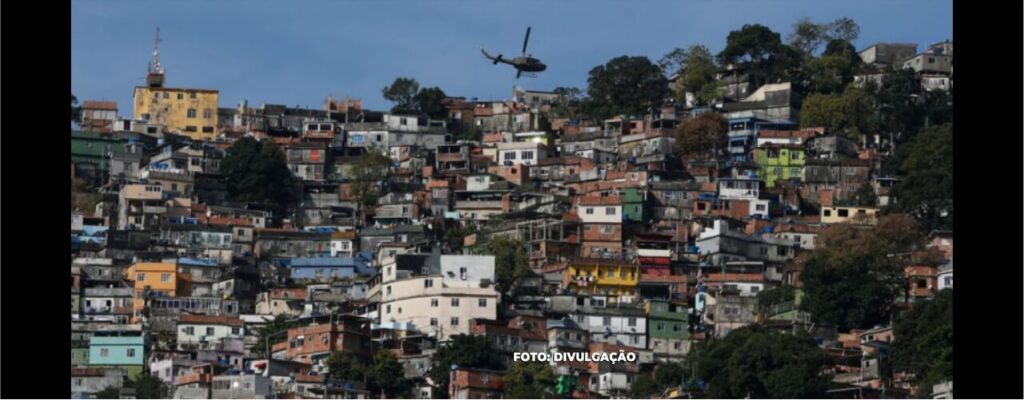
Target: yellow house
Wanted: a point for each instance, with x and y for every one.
(602, 277)
(162, 279)
(190, 112)
(857, 215)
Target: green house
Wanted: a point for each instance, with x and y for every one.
(667, 319)
(633, 205)
(124, 350)
(779, 162)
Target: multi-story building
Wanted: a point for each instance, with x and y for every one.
(315, 339)
(601, 222)
(780, 162)
(190, 112)
(140, 207)
(438, 294)
(159, 278)
(668, 328)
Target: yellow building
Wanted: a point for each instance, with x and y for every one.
(162, 279)
(190, 112)
(602, 277)
(857, 215)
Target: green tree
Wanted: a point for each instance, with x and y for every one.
(455, 236)
(568, 104)
(109, 392)
(529, 380)
(369, 173)
(643, 386)
(258, 172)
(924, 342)
(470, 132)
(808, 36)
(387, 376)
(402, 92)
(430, 101)
(696, 68)
(833, 71)
(149, 387)
(700, 137)
(272, 332)
(926, 192)
(851, 281)
(76, 110)
(625, 85)
(849, 114)
(761, 50)
(511, 264)
(345, 366)
(465, 351)
(759, 363)
(669, 374)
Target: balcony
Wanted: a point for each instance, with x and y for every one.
(452, 157)
(470, 204)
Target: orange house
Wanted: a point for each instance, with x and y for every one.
(160, 277)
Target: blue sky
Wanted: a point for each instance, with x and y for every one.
(299, 52)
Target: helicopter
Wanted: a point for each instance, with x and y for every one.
(523, 63)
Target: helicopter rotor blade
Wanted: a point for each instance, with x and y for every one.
(526, 40)
(518, 73)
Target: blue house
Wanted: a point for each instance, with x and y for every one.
(328, 268)
(124, 350)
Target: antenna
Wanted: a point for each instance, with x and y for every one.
(154, 64)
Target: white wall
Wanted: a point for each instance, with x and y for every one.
(599, 214)
(219, 331)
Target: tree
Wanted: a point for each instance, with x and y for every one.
(528, 380)
(625, 85)
(701, 136)
(402, 92)
(849, 114)
(268, 333)
(851, 280)
(369, 172)
(465, 351)
(833, 71)
(430, 101)
(669, 374)
(643, 386)
(455, 236)
(258, 172)
(758, 363)
(761, 50)
(149, 387)
(345, 366)
(926, 192)
(387, 376)
(568, 104)
(510, 264)
(924, 342)
(696, 68)
(808, 36)
(76, 110)
(109, 392)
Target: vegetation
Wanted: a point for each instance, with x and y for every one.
(409, 98)
(625, 85)
(924, 342)
(766, 58)
(849, 114)
(272, 332)
(464, 351)
(808, 36)
(369, 173)
(529, 380)
(258, 172)
(700, 137)
(511, 264)
(926, 189)
(755, 363)
(696, 68)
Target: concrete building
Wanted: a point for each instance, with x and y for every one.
(140, 207)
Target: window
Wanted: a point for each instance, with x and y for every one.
(607, 321)
(455, 321)
(130, 352)
(142, 277)
(827, 213)
(191, 113)
(209, 331)
(455, 302)
(527, 155)
(190, 330)
(104, 352)
(428, 283)
(389, 290)
(636, 339)
(433, 302)
(167, 95)
(181, 96)
(949, 280)
(755, 289)
(632, 322)
(482, 302)
(433, 322)
(607, 228)
(190, 128)
(590, 210)
(509, 156)
(387, 309)
(844, 213)
(165, 277)
(192, 95)
(661, 326)
(760, 207)
(609, 211)
(921, 284)
(207, 129)
(678, 345)
(236, 330)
